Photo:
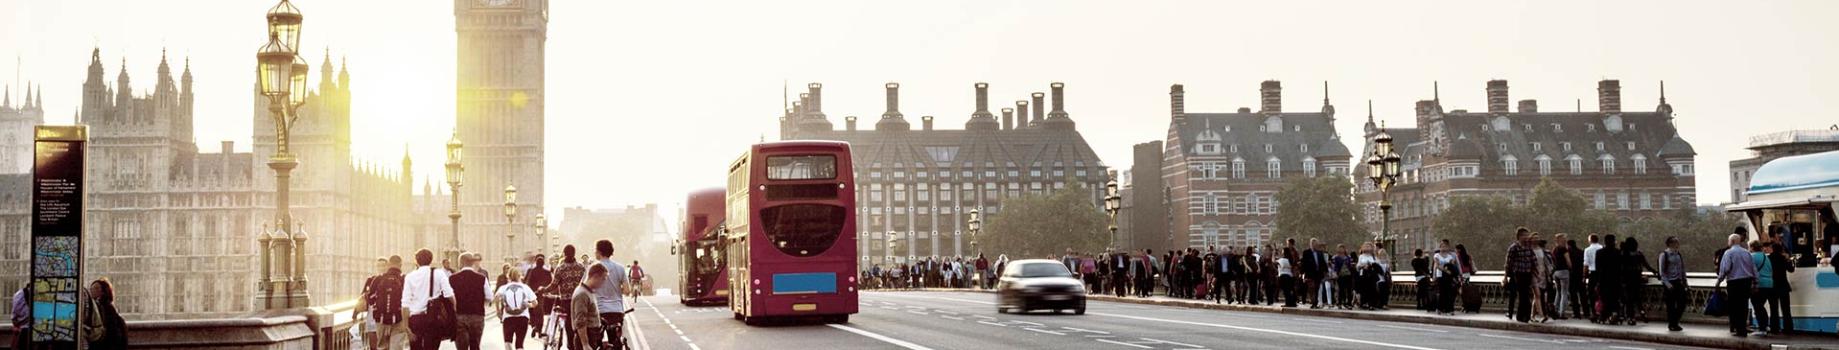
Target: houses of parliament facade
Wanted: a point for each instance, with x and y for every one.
(175, 224)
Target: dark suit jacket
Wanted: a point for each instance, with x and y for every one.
(1313, 264)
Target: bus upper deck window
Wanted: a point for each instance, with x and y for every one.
(812, 167)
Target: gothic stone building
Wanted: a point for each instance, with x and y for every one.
(1220, 172)
(1633, 164)
(499, 114)
(1767, 147)
(16, 125)
(175, 226)
(917, 186)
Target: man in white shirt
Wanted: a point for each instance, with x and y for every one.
(418, 287)
(1590, 276)
(608, 297)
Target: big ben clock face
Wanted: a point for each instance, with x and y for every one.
(496, 3)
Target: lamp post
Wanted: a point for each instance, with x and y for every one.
(510, 219)
(542, 226)
(976, 227)
(455, 170)
(282, 74)
(1113, 203)
(1383, 170)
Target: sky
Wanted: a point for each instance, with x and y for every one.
(651, 99)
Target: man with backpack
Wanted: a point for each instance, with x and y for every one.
(381, 301)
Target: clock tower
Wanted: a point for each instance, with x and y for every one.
(499, 101)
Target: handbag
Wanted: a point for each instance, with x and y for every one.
(439, 319)
(1714, 306)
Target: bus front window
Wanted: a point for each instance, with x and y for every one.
(803, 230)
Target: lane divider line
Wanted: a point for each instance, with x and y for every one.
(883, 338)
(1123, 343)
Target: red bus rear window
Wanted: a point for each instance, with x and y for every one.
(814, 167)
(803, 230)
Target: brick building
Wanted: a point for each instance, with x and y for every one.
(1631, 163)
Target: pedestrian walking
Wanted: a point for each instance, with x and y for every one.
(1542, 268)
(1779, 301)
(470, 296)
(584, 321)
(1344, 277)
(1420, 273)
(1315, 272)
(1609, 290)
(609, 296)
(22, 317)
(1765, 287)
(514, 299)
(1286, 278)
(104, 328)
(1673, 278)
(381, 302)
(1562, 251)
(428, 296)
(1520, 269)
(538, 277)
(1444, 270)
(1592, 280)
(1737, 272)
(1634, 263)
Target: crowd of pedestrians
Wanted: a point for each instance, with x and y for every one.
(936, 272)
(433, 304)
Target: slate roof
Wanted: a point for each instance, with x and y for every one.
(1247, 130)
(1479, 136)
(956, 148)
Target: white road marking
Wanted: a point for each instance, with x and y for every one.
(1123, 343)
(1027, 323)
(646, 344)
(686, 338)
(883, 338)
(993, 323)
(1412, 328)
(917, 312)
(1628, 348)
(1315, 320)
(951, 317)
(1082, 330)
(1357, 341)
(1044, 331)
(1519, 338)
(1160, 341)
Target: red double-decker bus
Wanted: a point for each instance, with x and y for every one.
(702, 270)
(789, 232)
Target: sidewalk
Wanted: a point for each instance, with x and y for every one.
(1701, 335)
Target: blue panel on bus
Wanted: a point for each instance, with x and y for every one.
(804, 283)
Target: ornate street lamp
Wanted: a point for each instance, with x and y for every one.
(888, 255)
(455, 170)
(976, 227)
(510, 218)
(1383, 171)
(1113, 203)
(542, 225)
(281, 75)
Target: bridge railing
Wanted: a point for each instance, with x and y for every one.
(1700, 286)
(322, 327)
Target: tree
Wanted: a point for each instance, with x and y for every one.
(1698, 234)
(1556, 209)
(1046, 225)
(1483, 225)
(1319, 207)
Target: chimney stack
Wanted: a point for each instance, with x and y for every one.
(1008, 119)
(1178, 109)
(1529, 106)
(893, 101)
(817, 100)
(1497, 96)
(849, 123)
(1609, 96)
(1270, 97)
(1021, 114)
(926, 122)
(1040, 105)
(983, 99)
(1059, 90)
(228, 146)
(798, 107)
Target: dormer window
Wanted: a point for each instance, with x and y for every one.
(1303, 148)
(1298, 128)
(1234, 148)
(1267, 148)
(1208, 148)
(1557, 128)
(1589, 127)
(1536, 147)
(1599, 146)
(1631, 145)
(1238, 168)
(1527, 126)
(1566, 146)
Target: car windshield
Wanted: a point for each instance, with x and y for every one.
(1045, 270)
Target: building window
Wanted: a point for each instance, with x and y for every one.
(1577, 164)
(1601, 200)
(1536, 148)
(1609, 165)
(1640, 164)
(1267, 148)
(1303, 147)
(1631, 145)
(1510, 166)
(1309, 167)
(1599, 146)
(1545, 165)
(1557, 128)
(1566, 146)
(1273, 168)
(1238, 168)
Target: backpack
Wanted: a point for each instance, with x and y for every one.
(385, 298)
(515, 309)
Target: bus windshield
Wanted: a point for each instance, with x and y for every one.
(812, 167)
(803, 230)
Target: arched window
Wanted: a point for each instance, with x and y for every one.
(1545, 164)
(1238, 168)
(1510, 165)
(1309, 167)
(1609, 164)
(1640, 164)
(1273, 168)
(1577, 164)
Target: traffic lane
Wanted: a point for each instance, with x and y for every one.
(1218, 329)
(1090, 331)
(668, 324)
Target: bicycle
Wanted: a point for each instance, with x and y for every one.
(554, 332)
